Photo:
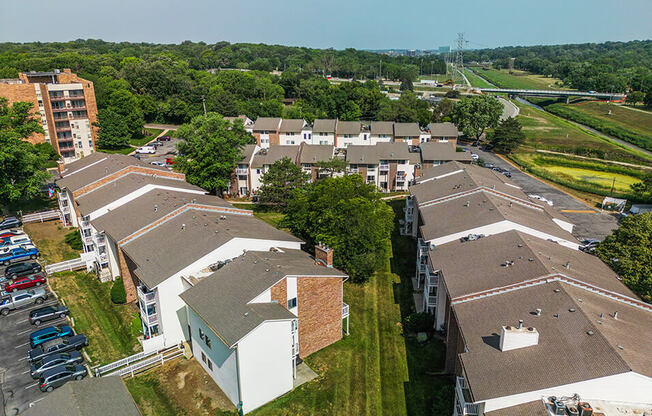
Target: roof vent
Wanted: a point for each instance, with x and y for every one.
(616, 315)
(520, 337)
(183, 227)
(155, 208)
(589, 332)
(556, 290)
(571, 310)
(467, 203)
(538, 312)
(222, 217)
(620, 347)
(567, 265)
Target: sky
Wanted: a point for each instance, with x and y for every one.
(361, 24)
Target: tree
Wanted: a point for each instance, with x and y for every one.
(22, 170)
(507, 136)
(209, 148)
(280, 180)
(452, 94)
(348, 215)
(114, 132)
(628, 251)
(635, 97)
(473, 115)
(333, 165)
(644, 187)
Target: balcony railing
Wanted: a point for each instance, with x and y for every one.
(345, 310)
(464, 398)
(145, 296)
(242, 171)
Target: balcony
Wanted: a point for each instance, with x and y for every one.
(150, 319)
(463, 405)
(146, 296)
(353, 170)
(383, 167)
(345, 310)
(242, 171)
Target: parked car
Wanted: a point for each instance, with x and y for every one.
(48, 313)
(155, 144)
(75, 342)
(146, 150)
(18, 254)
(10, 233)
(21, 299)
(26, 282)
(157, 163)
(542, 199)
(589, 245)
(8, 247)
(164, 138)
(22, 269)
(58, 376)
(10, 222)
(474, 156)
(55, 360)
(169, 161)
(37, 338)
(14, 238)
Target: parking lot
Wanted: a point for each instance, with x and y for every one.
(589, 222)
(167, 150)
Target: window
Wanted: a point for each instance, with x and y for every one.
(292, 303)
(207, 341)
(201, 334)
(203, 357)
(210, 365)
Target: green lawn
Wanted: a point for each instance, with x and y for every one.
(153, 133)
(48, 237)
(475, 80)
(112, 330)
(519, 79)
(264, 213)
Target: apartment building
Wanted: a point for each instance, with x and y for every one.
(65, 105)
(294, 132)
(252, 320)
(324, 131)
(312, 154)
(409, 133)
(264, 158)
(246, 122)
(241, 178)
(387, 165)
(352, 132)
(437, 153)
(381, 132)
(266, 130)
(443, 132)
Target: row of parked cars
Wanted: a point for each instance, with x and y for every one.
(55, 356)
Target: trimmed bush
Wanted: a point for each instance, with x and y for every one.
(73, 239)
(118, 294)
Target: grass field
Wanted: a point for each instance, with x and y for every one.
(112, 330)
(475, 80)
(262, 212)
(48, 237)
(632, 126)
(519, 79)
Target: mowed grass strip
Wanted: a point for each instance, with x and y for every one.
(519, 79)
(111, 329)
(476, 81)
(49, 237)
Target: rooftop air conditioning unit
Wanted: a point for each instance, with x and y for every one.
(584, 409)
(559, 408)
(571, 410)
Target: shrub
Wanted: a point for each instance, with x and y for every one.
(444, 401)
(419, 322)
(73, 239)
(453, 94)
(118, 294)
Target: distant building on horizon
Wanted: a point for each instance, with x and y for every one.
(65, 105)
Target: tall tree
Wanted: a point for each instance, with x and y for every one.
(507, 136)
(473, 115)
(348, 215)
(114, 132)
(21, 164)
(332, 166)
(280, 180)
(209, 148)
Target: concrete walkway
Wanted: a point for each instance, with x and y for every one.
(162, 126)
(304, 375)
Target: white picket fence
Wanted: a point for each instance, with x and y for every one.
(41, 216)
(68, 265)
(140, 362)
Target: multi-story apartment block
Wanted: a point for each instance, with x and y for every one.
(381, 132)
(65, 105)
(241, 178)
(266, 130)
(292, 132)
(443, 132)
(409, 133)
(310, 155)
(437, 153)
(352, 132)
(252, 320)
(246, 122)
(387, 165)
(324, 131)
(264, 158)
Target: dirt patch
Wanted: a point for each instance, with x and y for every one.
(49, 237)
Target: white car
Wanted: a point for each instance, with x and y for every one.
(146, 150)
(157, 163)
(474, 156)
(542, 199)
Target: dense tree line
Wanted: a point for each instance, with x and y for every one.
(606, 67)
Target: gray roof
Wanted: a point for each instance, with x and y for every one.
(382, 127)
(243, 118)
(222, 299)
(372, 155)
(349, 127)
(324, 126)
(484, 208)
(534, 408)
(313, 153)
(566, 352)
(406, 130)
(267, 124)
(442, 151)
(168, 248)
(122, 186)
(96, 166)
(148, 208)
(485, 259)
(90, 396)
(289, 125)
(443, 130)
(247, 152)
(274, 153)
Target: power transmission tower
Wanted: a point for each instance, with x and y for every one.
(459, 58)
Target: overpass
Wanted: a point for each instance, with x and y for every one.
(554, 93)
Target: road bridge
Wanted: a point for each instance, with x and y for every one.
(554, 93)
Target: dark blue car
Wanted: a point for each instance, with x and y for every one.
(37, 338)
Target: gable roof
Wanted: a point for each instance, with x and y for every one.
(442, 151)
(324, 126)
(223, 299)
(446, 129)
(382, 127)
(247, 152)
(292, 125)
(313, 153)
(90, 396)
(406, 130)
(273, 154)
(349, 127)
(267, 124)
(372, 155)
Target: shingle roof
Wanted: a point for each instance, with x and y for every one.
(247, 152)
(382, 127)
(324, 126)
(406, 130)
(168, 248)
(484, 263)
(566, 352)
(274, 153)
(96, 166)
(267, 124)
(312, 153)
(148, 208)
(349, 127)
(289, 125)
(222, 299)
(442, 151)
(534, 408)
(122, 186)
(90, 396)
(372, 155)
(443, 130)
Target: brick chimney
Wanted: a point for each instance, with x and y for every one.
(60, 166)
(324, 254)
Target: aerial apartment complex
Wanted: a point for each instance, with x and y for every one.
(240, 292)
(533, 326)
(65, 105)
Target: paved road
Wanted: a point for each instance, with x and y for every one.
(162, 126)
(509, 109)
(589, 222)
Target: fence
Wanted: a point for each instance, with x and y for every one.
(41, 216)
(68, 265)
(140, 362)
